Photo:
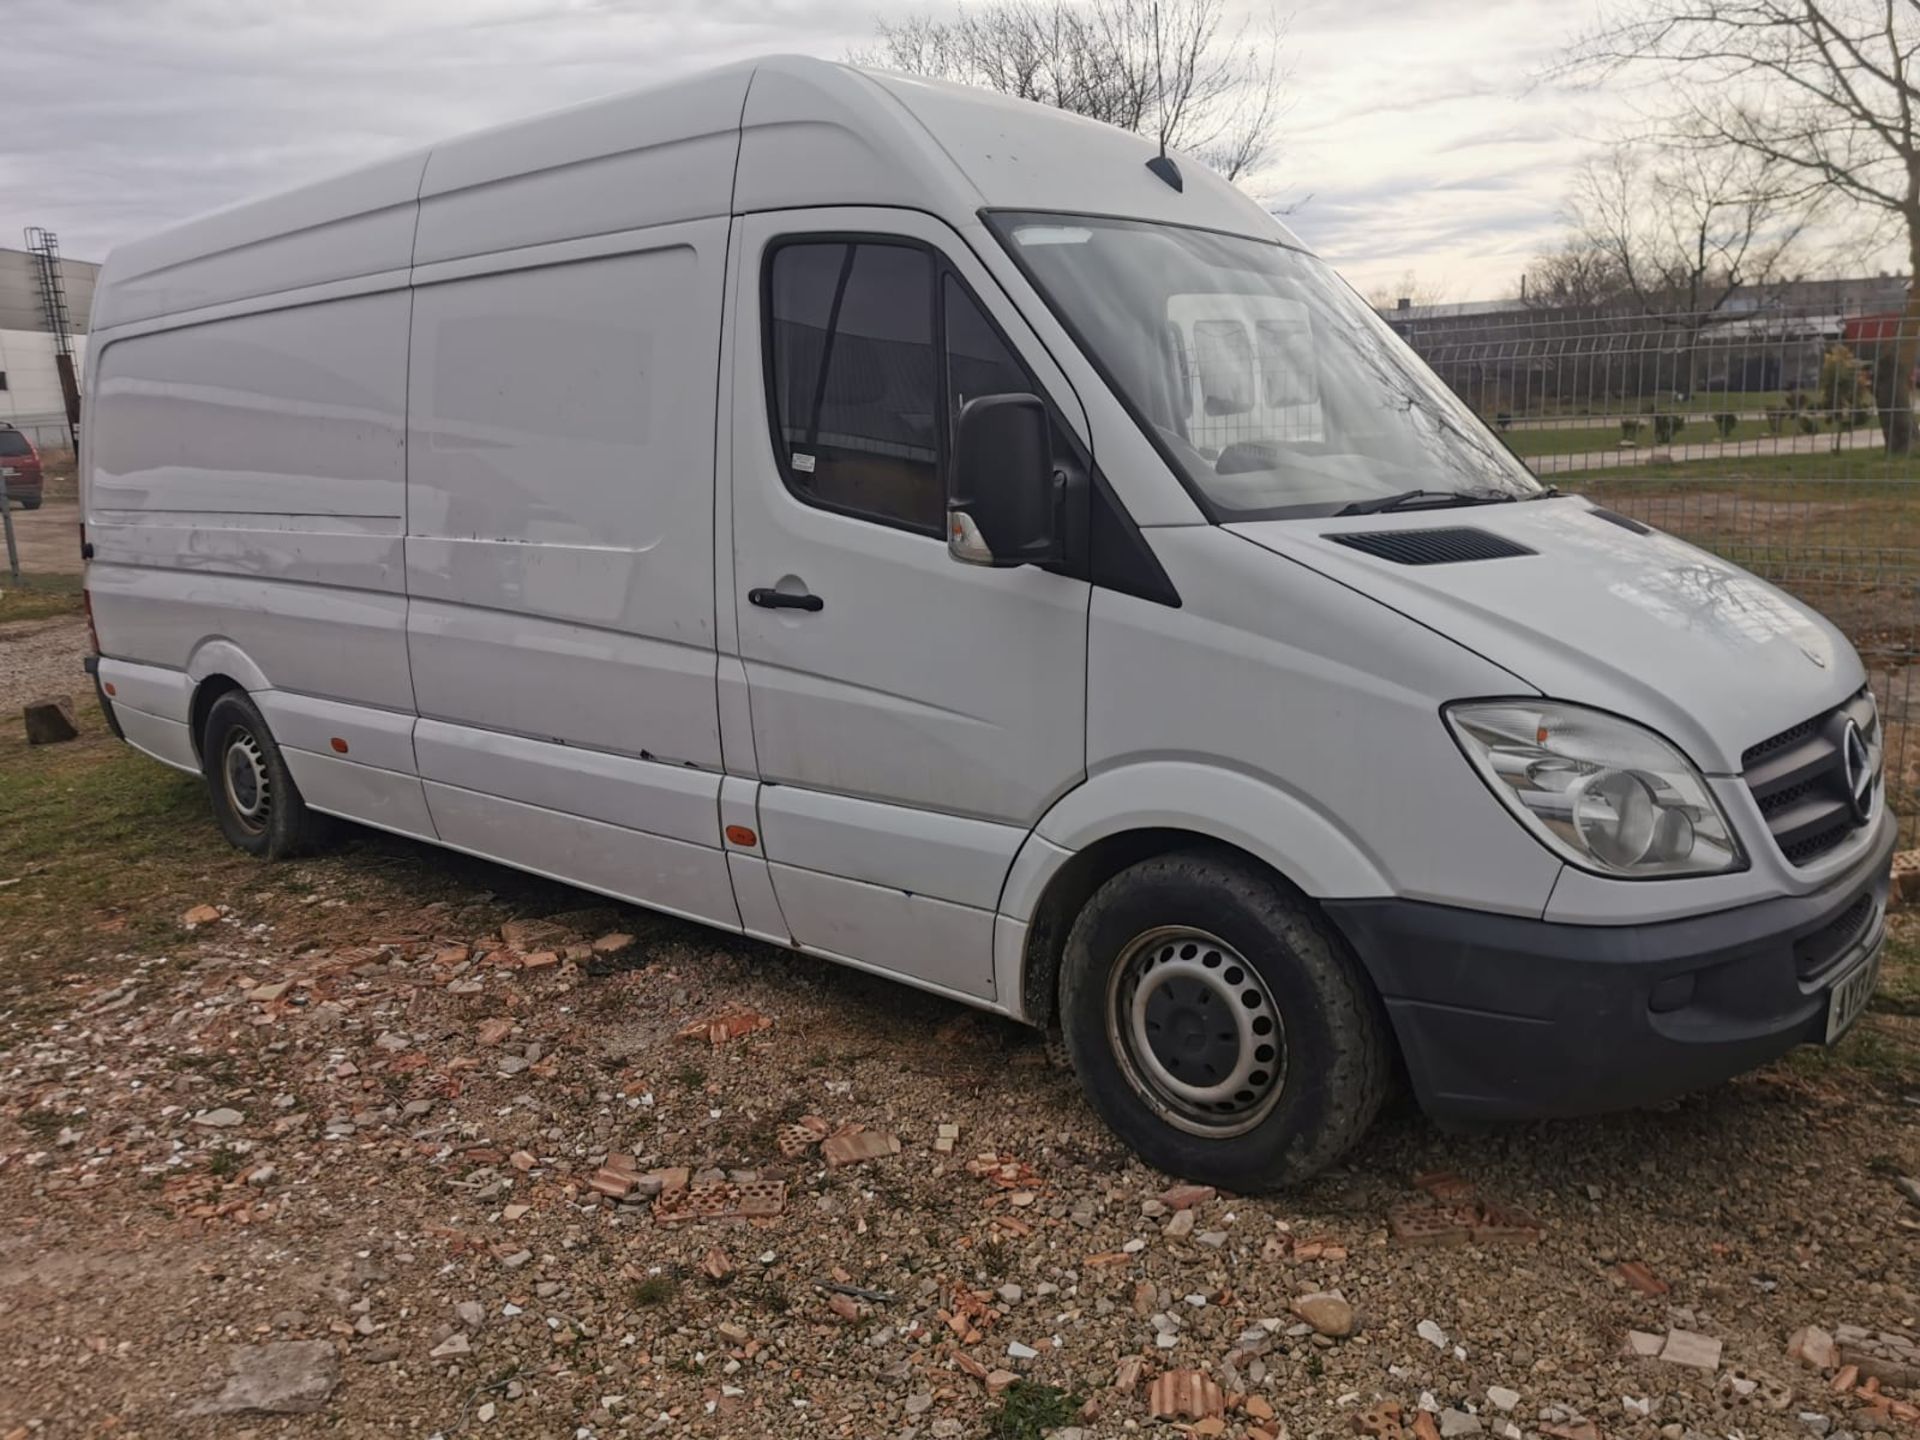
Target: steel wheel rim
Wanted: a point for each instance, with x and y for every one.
(243, 771)
(1197, 1031)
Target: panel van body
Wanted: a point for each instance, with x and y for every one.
(900, 523)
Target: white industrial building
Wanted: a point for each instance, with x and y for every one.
(30, 393)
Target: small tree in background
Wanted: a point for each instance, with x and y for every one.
(1177, 71)
(1846, 391)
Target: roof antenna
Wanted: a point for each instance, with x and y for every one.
(1162, 164)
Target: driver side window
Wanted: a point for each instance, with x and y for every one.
(866, 377)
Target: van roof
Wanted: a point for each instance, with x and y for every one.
(775, 133)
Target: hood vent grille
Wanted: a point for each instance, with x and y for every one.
(1448, 546)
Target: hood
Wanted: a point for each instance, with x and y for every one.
(1602, 613)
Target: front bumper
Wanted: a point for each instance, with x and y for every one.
(1505, 1017)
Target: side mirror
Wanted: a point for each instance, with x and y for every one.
(1003, 496)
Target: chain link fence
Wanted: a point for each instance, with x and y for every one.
(1762, 436)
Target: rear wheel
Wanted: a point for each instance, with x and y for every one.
(33, 504)
(1218, 1026)
(258, 806)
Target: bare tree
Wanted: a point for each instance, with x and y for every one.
(1176, 71)
(1410, 288)
(1576, 275)
(1825, 91)
(1683, 227)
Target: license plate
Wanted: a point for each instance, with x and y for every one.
(1847, 1001)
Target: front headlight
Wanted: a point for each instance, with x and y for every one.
(1596, 790)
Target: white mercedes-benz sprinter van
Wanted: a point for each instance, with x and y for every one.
(944, 535)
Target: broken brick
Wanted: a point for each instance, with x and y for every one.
(612, 1183)
(730, 1026)
(1186, 1197)
(1185, 1394)
(1444, 1186)
(850, 1147)
(492, 1032)
(1427, 1225)
(1637, 1275)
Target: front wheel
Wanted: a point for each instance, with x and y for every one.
(1218, 1026)
(258, 806)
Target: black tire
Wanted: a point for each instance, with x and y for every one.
(1151, 942)
(33, 504)
(258, 806)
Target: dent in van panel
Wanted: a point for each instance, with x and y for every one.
(651, 870)
(654, 796)
(328, 642)
(361, 553)
(913, 937)
(290, 412)
(560, 499)
(381, 798)
(600, 688)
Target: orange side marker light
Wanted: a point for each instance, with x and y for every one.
(741, 835)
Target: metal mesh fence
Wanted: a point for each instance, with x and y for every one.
(1762, 436)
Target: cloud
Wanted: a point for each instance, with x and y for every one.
(1411, 118)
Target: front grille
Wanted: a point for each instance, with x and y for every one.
(1757, 753)
(1446, 546)
(1799, 779)
(1814, 953)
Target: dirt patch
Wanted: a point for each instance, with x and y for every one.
(39, 658)
(48, 539)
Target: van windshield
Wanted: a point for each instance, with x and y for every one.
(1272, 387)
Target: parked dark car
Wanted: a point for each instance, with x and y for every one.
(20, 463)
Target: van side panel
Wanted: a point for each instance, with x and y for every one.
(244, 494)
(560, 557)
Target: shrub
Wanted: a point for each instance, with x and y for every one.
(1845, 384)
(1630, 430)
(1777, 419)
(1726, 422)
(1666, 426)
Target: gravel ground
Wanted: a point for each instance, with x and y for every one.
(386, 1143)
(332, 1157)
(39, 658)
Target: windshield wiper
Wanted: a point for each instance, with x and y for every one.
(1419, 500)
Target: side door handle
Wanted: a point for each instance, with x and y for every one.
(768, 599)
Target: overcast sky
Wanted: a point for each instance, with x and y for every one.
(1412, 144)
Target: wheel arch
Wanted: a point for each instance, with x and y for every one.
(1131, 814)
(217, 667)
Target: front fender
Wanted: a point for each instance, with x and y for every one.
(1306, 846)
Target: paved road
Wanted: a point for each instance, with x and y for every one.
(49, 539)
